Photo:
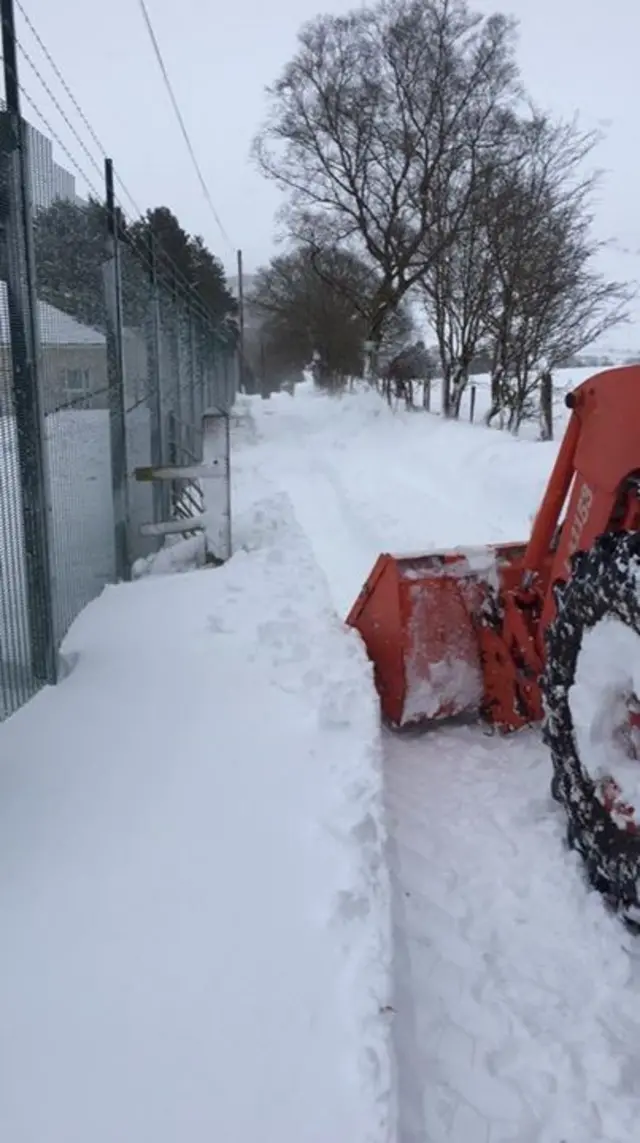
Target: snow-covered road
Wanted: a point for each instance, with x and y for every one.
(517, 998)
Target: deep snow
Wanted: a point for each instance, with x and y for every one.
(517, 997)
(194, 902)
(194, 887)
(81, 528)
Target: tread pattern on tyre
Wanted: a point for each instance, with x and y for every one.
(605, 581)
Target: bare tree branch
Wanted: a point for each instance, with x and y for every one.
(377, 112)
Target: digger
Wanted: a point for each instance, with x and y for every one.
(496, 632)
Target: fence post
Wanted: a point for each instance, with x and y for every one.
(472, 404)
(206, 368)
(193, 412)
(16, 241)
(546, 406)
(202, 400)
(228, 381)
(446, 394)
(173, 330)
(217, 377)
(115, 381)
(239, 371)
(154, 387)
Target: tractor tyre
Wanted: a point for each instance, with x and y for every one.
(604, 582)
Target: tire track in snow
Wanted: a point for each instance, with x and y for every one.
(517, 999)
(345, 549)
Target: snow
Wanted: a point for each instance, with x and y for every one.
(450, 681)
(194, 902)
(516, 995)
(81, 536)
(364, 480)
(78, 458)
(607, 675)
(196, 854)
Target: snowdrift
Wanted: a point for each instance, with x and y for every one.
(195, 938)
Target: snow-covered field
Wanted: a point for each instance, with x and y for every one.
(195, 875)
(476, 400)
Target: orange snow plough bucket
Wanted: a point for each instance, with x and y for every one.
(462, 632)
(420, 618)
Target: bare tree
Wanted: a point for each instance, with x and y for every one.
(458, 285)
(371, 121)
(314, 305)
(413, 363)
(549, 299)
(457, 291)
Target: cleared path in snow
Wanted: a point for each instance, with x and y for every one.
(517, 997)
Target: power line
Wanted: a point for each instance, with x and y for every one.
(185, 133)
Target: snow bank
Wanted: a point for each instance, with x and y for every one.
(516, 995)
(195, 914)
(364, 479)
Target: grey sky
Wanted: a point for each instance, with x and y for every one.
(576, 55)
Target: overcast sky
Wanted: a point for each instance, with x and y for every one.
(576, 55)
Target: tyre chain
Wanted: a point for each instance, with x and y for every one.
(605, 581)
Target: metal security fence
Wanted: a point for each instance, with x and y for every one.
(176, 367)
(108, 361)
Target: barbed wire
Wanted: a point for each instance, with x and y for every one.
(76, 104)
(23, 51)
(179, 281)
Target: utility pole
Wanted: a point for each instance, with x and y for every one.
(115, 382)
(240, 323)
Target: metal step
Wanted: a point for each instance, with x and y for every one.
(178, 472)
(174, 527)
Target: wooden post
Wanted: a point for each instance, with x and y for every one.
(546, 406)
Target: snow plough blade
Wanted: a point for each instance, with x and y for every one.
(419, 618)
